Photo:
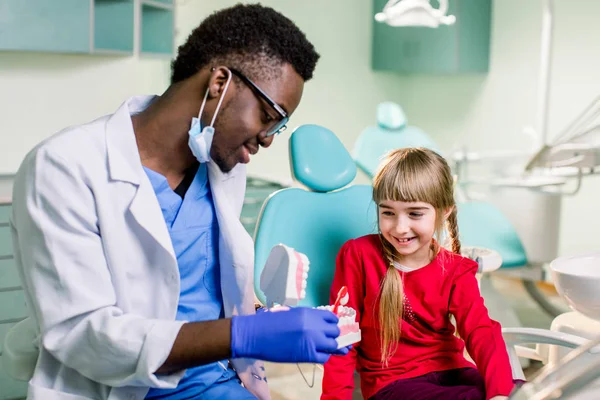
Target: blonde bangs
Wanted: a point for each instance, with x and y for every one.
(410, 176)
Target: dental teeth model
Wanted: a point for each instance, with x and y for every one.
(349, 329)
(283, 280)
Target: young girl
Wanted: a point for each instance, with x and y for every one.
(404, 286)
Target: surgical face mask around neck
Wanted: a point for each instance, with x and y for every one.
(200, 139)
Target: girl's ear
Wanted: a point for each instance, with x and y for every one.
(448, 211)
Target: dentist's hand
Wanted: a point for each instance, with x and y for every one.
(297, 335)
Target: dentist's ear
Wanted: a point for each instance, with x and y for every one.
(218, 81)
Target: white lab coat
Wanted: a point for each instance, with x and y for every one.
(99, 269)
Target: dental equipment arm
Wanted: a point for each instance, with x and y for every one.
(569, 377)
(516, 337)
(578, 146)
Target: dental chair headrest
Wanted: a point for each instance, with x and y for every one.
(319, 160)
(390, 116)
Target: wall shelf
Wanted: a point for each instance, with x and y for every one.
(57, 26)
(102, 27)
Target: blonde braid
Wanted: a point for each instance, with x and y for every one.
(452, 226)
(391, 305)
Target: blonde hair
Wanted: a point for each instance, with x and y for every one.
(410, 175)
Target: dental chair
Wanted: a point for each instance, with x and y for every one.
(318, 219)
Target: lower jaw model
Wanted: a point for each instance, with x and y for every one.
(349, 329)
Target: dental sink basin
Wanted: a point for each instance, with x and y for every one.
(577, 280)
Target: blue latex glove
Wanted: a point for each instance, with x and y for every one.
(298, 335)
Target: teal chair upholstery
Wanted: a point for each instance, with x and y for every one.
(480, 224)
(318, 220)
(391, 132)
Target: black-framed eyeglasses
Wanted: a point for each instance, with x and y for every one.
(280, 125)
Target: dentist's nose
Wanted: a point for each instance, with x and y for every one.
(265, 141)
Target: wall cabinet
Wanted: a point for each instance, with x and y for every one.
(87, 26)
(463, 47)
(61, 26)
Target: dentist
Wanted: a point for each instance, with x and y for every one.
(137, 271)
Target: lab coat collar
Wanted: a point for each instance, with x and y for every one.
(124, 162)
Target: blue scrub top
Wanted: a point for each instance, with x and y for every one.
(194, 230)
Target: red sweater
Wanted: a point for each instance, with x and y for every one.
(445, 286)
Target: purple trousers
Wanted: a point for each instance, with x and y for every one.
(454, 384)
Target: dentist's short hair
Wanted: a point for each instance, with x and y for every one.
(249, 37)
